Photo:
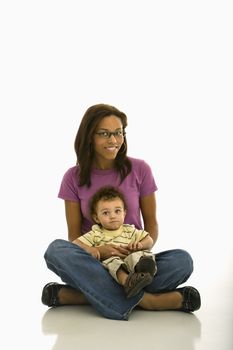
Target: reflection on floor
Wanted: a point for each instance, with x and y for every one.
(82, 327)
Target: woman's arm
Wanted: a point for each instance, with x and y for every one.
(148, 210)
(73, 219)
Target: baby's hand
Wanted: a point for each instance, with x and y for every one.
(135, 246)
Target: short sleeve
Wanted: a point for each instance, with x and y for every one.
(147, 185)
(140, 235)
(69, 186)
(87, 239)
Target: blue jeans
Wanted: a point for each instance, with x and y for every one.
(83, 272)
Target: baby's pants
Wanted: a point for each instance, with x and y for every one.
(128, 264)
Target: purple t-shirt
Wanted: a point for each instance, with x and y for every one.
(139, 183)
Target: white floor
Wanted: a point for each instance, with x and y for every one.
(27, 324)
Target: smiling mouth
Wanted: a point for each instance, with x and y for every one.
(111, 149)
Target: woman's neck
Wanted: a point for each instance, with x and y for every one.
(104, 164)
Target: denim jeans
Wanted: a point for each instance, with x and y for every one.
(83, 272)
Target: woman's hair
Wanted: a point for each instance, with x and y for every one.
(106, 193)
(84, 142)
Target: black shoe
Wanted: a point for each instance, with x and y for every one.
(191, 299)
(146, 264)
(50, 294)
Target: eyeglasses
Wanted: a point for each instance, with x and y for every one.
(107, 134)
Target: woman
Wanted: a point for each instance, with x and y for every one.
(101, 149)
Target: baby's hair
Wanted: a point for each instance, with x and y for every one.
(106, 193)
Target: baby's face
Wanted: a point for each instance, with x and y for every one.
(110, 213)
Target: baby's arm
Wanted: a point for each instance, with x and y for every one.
(145, 243)
(91, 250)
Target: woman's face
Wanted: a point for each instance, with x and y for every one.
(107, 145)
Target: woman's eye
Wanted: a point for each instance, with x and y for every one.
(103, 134)
(118, 133)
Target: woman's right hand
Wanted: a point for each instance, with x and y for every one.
(108, 250)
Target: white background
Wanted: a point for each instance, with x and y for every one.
(168, 66)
